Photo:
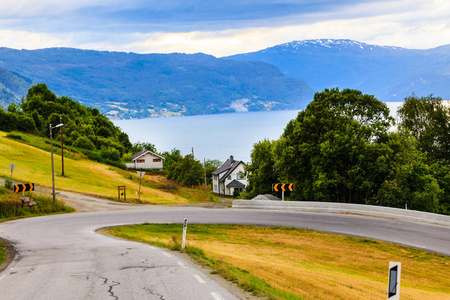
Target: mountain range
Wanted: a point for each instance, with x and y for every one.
(130, 85)
(389, 73)
(125, 85)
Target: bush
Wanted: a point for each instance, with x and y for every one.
(8, 184)
(84, 143)
(110, 154)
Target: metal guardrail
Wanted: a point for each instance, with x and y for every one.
(358, 209)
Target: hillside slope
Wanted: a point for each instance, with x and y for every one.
(389, 73)
(85, 176)
(126, 85)
(12, 87)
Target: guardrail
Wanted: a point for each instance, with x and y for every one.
(358, 209)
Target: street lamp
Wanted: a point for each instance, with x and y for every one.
(51, 150)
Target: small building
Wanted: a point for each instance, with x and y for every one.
(146, 159)
(230, 177)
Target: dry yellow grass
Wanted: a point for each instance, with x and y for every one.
(315, 265)
(34, 165)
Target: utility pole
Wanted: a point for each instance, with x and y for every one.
(62, 148)
(204, 167)
(53, 169)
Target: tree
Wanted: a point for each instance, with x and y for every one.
(171, 157)
(323, 149)
(187, 171)
(428, 120)
(211, 165)
(261, 171)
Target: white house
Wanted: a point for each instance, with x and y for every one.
(229, 177)
(145, 159)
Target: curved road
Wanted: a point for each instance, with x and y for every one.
(62, 257)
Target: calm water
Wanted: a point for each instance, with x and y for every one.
(212, 136)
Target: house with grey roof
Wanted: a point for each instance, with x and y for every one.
(146, 159)
(230, 177)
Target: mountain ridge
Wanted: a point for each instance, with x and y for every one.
(390, 73)
(124, 85)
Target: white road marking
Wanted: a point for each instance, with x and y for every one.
(199, 279)
(181, 264)
(2, 277)
(151, 247)
(217, 296)
(166, 254)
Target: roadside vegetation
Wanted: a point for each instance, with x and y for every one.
(291, 263)
(340, 149)
(11, 206)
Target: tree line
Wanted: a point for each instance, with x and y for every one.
(342, 148)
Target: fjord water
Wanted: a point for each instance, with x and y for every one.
(213, 136)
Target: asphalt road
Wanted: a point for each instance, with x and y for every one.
(62, 257)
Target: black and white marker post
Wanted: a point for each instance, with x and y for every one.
(183, 241)
(395, 269)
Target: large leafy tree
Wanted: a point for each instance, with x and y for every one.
(187, 171)
(261, 171)
(428, 120)
(323, 150)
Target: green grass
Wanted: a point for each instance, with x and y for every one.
(291, 263)
(2, 253)
(30, 154)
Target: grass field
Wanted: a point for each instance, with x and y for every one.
(288, 263)
(81, 175)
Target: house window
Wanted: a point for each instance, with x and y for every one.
(156, 159)
(240, 175)
(140, 161)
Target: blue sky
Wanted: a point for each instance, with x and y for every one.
(219, 27)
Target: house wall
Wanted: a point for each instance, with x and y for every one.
(147, 162)
(221, 188)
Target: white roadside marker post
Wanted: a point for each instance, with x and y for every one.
(395, 270)
(183, 242)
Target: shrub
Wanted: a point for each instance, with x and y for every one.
(84, 143)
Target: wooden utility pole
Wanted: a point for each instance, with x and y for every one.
(204, 168)
(62, 148)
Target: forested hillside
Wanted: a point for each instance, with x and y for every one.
(85, 128)
(124, 85)
(12, 87)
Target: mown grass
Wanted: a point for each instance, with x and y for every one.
(290, 263)
(85, 176)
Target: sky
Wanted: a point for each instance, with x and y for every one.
(219, 28)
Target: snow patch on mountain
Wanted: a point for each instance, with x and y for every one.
(338, 44)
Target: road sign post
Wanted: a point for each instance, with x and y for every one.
(395, 269)
(283, 187)
(24, 187)
(183, 241)
(123, 189)
(11, 167)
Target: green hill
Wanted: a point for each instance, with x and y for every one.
(125, 85)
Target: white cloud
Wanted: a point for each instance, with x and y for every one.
(405, 23)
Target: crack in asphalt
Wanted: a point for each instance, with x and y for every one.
(110, 291)
(151, 292)
(138, 267)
